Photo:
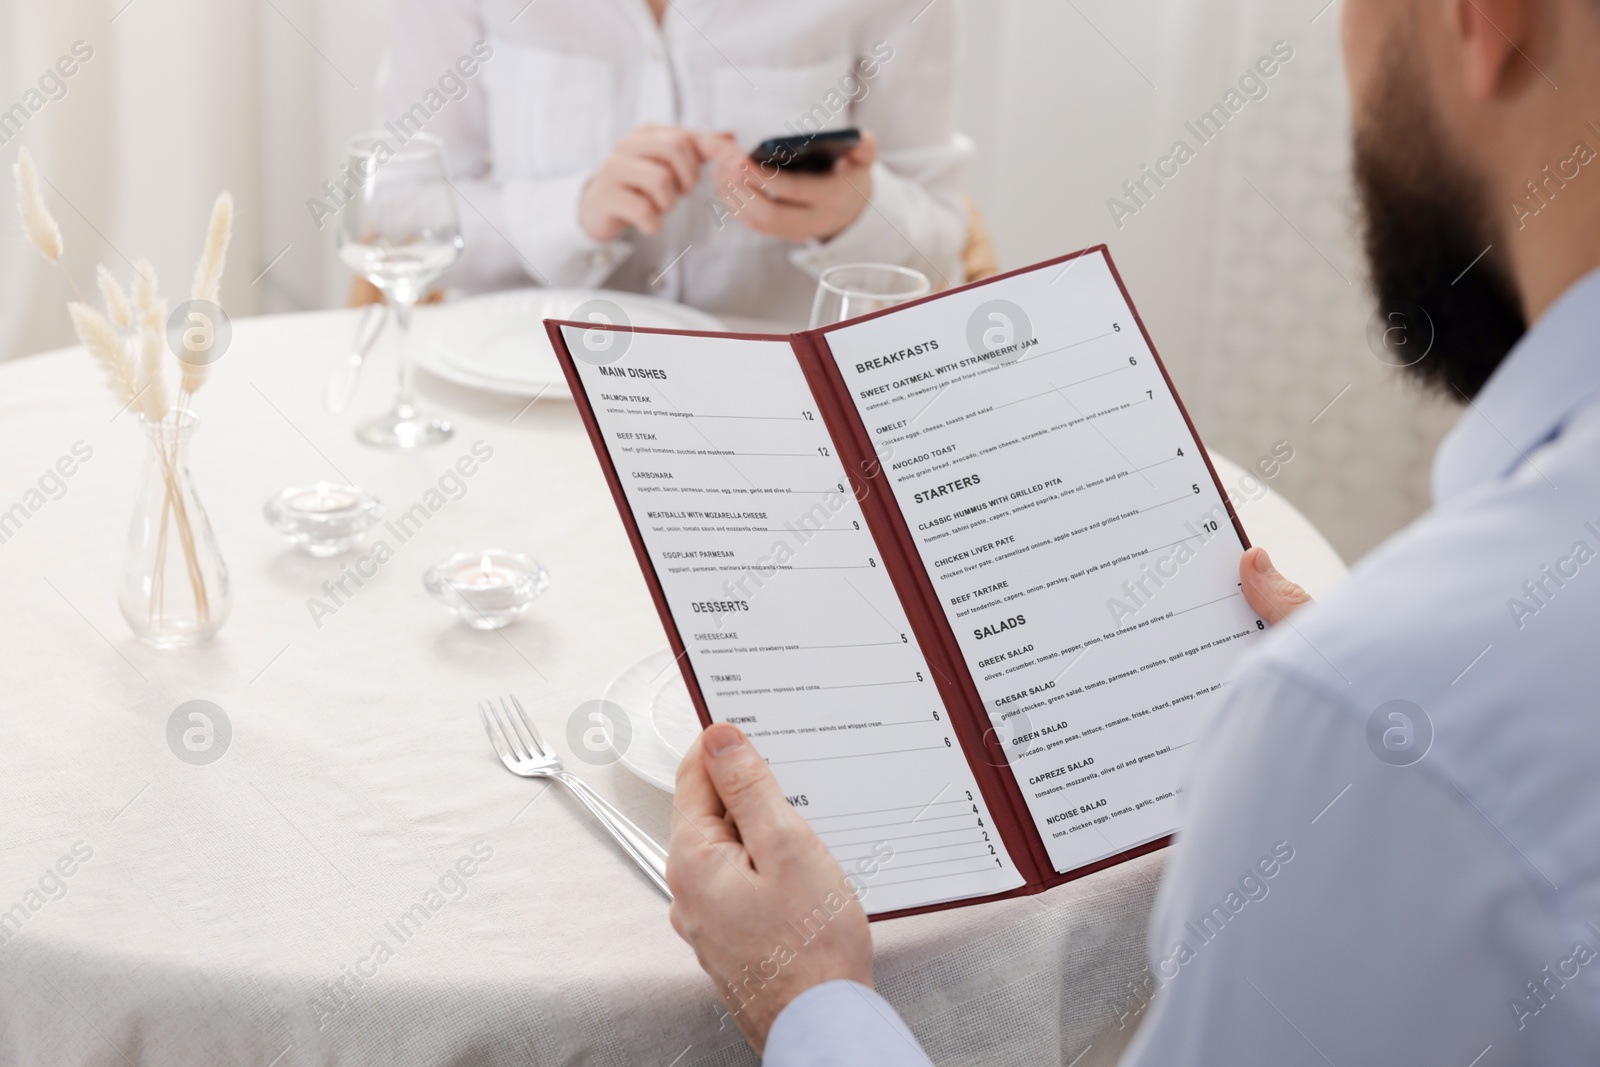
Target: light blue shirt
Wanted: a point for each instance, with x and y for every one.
(1392, 852)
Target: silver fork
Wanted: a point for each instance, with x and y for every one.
(526, 754)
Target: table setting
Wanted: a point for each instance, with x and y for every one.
(342, 726)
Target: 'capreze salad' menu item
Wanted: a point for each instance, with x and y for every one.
(960, 569)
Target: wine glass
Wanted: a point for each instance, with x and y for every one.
(400, 231)
(852, 289)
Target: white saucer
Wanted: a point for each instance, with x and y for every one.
(652, 690)
(497, 342)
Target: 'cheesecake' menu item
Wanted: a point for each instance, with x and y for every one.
(960, 569)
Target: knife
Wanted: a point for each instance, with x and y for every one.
(342, 379)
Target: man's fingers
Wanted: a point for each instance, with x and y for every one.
(694, 797)
(745, 784)
(1273, 596)
(704, 843)
(697, 810)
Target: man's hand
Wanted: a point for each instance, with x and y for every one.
(791, 205)
(1273, 596)
(645, 175)
(766, 908)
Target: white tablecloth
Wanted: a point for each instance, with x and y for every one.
(233, 913)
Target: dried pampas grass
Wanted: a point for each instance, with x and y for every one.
(128, 339)
(150, 315)
(41, 227)
(105, 343)
(116, 298)
(146, 289)
(208, 272)
(152, 388)
(208, 285)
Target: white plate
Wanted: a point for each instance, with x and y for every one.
(645, 692)
(497, 342)
(672, 716)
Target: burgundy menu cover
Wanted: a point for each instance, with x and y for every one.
(960, 568)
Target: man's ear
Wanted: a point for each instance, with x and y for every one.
(1492, 35)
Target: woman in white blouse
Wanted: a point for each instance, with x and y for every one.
(606, 143)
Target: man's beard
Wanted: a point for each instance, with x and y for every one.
(1426, 219)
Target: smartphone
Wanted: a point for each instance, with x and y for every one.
(809, 153)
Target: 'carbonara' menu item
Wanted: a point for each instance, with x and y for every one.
(960, 569)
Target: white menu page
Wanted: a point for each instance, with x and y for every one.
(788, 615)
(1076, 540)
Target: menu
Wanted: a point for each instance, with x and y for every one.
(960, 569)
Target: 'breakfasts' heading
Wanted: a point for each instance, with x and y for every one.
(895, 357)
(632, 372)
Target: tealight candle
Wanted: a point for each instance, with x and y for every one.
(324, 519)
(487, 590)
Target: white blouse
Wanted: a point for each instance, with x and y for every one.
(552, 85)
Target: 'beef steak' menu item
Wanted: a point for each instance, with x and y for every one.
(960, 569)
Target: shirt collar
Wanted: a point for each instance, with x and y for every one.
(1549, 374)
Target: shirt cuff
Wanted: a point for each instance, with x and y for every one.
(542, 217)
(841, 1024)
(882, 233)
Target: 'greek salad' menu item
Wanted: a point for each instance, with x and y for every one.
(960, 569)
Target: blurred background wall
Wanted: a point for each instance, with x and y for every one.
(1244, 264)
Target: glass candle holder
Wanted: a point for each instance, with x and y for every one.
(487, 590)
(324, 519)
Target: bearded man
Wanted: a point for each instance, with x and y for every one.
(1425, 743)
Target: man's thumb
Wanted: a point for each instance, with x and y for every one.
(1273, 596)
(742, 779)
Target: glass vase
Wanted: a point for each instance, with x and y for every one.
(175, 590)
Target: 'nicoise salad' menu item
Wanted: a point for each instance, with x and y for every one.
(960, 569)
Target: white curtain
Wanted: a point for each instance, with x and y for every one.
(180, 100)
(1244, 265)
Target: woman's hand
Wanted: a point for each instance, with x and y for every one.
(789, 204)
(647, 173)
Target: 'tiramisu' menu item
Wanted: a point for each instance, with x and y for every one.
(960, 569)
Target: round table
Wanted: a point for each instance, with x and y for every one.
(357, 880)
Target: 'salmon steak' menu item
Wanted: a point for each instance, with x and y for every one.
(960, 569)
